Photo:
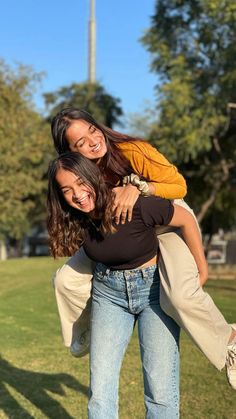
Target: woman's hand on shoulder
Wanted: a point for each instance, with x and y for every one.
(125, 198)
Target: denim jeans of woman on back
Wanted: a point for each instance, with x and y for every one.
(121, 299)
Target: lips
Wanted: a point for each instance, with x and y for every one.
(96, 148)
(83, 201)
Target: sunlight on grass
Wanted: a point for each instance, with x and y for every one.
(40, 379)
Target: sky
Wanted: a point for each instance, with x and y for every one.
(51, 36)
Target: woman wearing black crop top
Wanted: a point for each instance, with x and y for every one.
(126, 281)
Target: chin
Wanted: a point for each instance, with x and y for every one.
(98, 156)
(88, 211)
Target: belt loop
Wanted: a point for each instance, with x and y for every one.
(144, 273)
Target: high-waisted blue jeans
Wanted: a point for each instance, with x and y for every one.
(120, 298)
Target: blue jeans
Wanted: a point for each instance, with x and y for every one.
(120, 298)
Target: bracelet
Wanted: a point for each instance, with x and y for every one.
(136, 181)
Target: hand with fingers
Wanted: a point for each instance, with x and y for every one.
(125, 198)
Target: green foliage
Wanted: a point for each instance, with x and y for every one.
(40, 379)
(193, 48)
(140, 123)
(25, 149)
(89, 96)
(192, 45)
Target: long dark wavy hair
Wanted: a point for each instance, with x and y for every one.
(67, 225)
(114, 162)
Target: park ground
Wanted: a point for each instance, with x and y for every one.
(40, 379)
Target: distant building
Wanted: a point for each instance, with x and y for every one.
(222, 249)
(36, 243)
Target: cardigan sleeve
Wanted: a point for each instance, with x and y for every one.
(150, 163)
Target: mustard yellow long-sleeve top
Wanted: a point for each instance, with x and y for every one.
(147, 161)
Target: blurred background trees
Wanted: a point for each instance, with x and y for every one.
(25, 152)
(89, 96)
(192, 45)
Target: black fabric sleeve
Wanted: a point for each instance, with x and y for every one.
(156, 211)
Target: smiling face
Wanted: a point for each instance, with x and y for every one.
(86, 139)
(76, 193)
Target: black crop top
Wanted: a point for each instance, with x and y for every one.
(134, 242)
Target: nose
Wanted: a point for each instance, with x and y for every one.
(75, 194)
(92, 141)
(74, 197)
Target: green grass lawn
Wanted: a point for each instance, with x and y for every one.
(40, 379)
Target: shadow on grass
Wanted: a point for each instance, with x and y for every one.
(34, 386)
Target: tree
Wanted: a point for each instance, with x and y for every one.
(192, 45)
(88, 96)
(25, 151)
(140, 124)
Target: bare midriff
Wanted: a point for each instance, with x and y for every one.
(150, 262)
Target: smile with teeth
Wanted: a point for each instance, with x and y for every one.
(96, 147)
(82, 201)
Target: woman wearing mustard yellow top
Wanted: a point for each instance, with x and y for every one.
(135, 163)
